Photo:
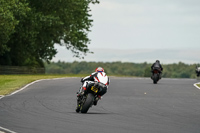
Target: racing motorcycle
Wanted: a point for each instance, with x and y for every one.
(156, 75)
(198, 71)
(85, 101)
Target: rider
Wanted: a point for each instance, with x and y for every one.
(198, 71)
(99, 76)
(157, 65)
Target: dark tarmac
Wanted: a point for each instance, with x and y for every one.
(131, 105)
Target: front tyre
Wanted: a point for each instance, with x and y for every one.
(155, 78)
(88, 102)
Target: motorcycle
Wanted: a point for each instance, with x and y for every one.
(198, 71)
(155, 75)
(86, 101)
(198, 74)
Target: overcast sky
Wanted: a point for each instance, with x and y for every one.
(130, 30)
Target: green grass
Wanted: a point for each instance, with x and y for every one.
(198, 85)
(10, 83)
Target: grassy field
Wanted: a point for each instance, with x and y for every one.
(10, 83)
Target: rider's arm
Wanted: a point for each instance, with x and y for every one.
(89, 78)
(152, 65)
(161, 67)
(108, 81)
(84, 79)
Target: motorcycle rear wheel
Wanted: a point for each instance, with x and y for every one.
(89, 101)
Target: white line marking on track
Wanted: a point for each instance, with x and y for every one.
(6, 130)
(1, 96)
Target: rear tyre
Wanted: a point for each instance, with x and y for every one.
(88, 103)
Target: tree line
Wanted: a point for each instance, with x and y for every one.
(29, 29)
(175, 70)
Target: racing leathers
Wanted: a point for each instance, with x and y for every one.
(157, 66)
(198, 71)
(99, 79)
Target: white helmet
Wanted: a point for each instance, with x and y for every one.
(99, 69)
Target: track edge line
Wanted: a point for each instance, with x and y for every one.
(2, 96)
(7, 130)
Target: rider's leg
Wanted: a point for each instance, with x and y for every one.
(160, 75)
(102, 91)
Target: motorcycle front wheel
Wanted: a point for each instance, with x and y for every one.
(155, 78)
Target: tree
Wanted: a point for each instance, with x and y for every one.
(48, 22)
(8, 10)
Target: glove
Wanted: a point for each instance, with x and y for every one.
(82, 80)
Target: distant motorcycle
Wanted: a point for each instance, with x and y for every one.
(198, 71)
(86, 101)
(156, 75)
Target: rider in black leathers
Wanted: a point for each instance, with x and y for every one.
(198, 71)
(157, 65)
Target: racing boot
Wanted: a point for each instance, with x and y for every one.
(96, 100)
(81, 92)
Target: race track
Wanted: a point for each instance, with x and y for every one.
(132, 105)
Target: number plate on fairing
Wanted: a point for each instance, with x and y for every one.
(94, 89)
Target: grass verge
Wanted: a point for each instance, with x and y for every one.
(10, 83)
(198, 85)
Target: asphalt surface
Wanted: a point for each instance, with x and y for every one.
(131, 105)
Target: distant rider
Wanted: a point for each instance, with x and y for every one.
(157, 66)
(100, 77)
(198, 71)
